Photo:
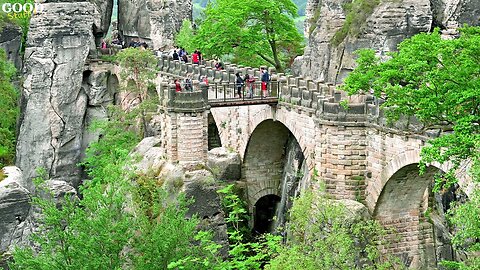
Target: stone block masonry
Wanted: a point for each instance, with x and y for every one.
(185, 132)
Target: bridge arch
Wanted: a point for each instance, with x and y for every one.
(403, 200)
(273, 167)
(214, 139)
(402, 160)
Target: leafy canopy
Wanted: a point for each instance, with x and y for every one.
(115, 225)
(254, 32)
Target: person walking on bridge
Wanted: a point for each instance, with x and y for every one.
(239, 84)
(250, 84)
(265, 80)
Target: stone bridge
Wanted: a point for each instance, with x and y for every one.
(353, 150)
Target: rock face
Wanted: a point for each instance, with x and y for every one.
(389, 23)
(11, 42)
(14, 208)
(208, 208)
(225, 165)
(102, 15)
(154, 21)
(455, 12)
(19, 219)
(55, 103)
(152, 157)
(104, 10)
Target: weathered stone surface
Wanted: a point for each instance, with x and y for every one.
(54, 106)
(389, 24)
(226, 165)
(207, 205)
(14, 208)
(11, 42)
(155, 21)
(57, 190)
(99, 88)
(152, 156)
(355, 211)
(456, 12)
(19, 219)
(103, 14)
(104, 10)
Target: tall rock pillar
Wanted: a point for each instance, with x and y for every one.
(54, 102)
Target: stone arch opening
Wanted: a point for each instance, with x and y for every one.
(264, 212)
(214, 140)
(273, 165)
(419, 233)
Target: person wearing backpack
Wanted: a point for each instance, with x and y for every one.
(175, 55)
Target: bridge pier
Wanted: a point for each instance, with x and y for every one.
(186, 126)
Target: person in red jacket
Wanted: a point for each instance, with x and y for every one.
(178, 87)
(195, 57)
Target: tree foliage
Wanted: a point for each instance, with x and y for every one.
(255, 32)
(138, 71)
(8, 110)
(437, 81)
(185, 36)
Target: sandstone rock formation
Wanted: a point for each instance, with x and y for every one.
(152, 156)
(55, 104)
(15, 205)
(226, 165)
(155, 21)
(19, 218)
(389, 23)
(11, 42)
(103, 18)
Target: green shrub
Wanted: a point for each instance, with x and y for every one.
(8, 110)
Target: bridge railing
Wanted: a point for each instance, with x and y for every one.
(227, 91)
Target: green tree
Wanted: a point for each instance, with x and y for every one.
(437, 81)
(8, 109)
(255, 32)
(138, 66)
(185, 36)
(89, 233)
(322, 235)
